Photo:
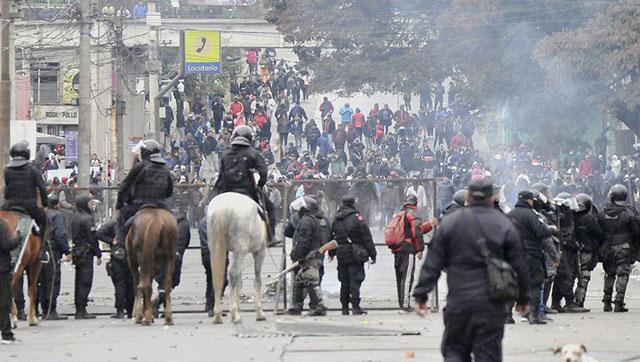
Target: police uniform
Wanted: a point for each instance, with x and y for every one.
(22, 185)
(149, 182)
(589, 235)
(619, 223)
(474, 323)
(118, 270)
(355, 247)
(312, 231)
(236, 167)
(58, 245)
(85, 247)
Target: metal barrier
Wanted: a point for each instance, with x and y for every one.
(377, 199)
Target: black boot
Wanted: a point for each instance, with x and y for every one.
(620, 308)
(21, 316)
(345, 309)
(119, 314)
(534, 317)
(295, 311)
(558, 308)
(81, 313)
(357, 310)
(155, 306)
(319, 311)
(54, 316)
(607, 306)
(574, 308)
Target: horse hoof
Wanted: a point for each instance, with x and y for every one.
(217, 320)
(236, 320)
(33, 323)
(168, 322)
(138, 321)
(261, 318)
(14, 325)
(146, 322)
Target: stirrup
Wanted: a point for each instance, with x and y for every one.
(44, 257)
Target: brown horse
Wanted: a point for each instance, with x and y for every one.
(29, 261)
(153, 237)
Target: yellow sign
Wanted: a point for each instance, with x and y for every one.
(201, 52)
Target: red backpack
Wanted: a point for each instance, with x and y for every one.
(394, 232)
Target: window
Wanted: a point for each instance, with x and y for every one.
(45, 83)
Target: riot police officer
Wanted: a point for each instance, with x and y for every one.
(118, 270)
(619, 223)
(22, 185)
(148, 182)
(57, 246)
(355, 248)
(236, 167)
(457, 203)
(568, 269)
(589, 235)
(85, 247)
(312, 231)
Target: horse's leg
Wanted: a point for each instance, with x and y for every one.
(218, 261)
(235, 282)
(168, 285)
(146, 288)
(258, 259)
(137, 303)
(34, 272)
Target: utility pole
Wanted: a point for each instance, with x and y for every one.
(120, 105)
(84, 128)
(154, 66)
(5, 89)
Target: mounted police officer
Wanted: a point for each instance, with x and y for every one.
(355, 247)
(589, 235)
(619, 223)
(236, 167)
(149, 182)
(312, 231)
(22, 184)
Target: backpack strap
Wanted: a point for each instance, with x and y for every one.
(482, 240)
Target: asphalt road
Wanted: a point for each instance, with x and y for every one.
(383, 335)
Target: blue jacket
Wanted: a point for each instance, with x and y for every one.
(345, 114)
(140, 11)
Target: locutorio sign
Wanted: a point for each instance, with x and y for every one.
(202, 52)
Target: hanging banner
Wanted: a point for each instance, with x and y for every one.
(71, 149)
(201, 52)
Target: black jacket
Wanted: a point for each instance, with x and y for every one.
(588, 231)
(83, 229)
(349, 226)
(619, 224)
(235, 167)
(146, 182)
(309, 235)
(532, 230)
(454, 248)
(57, 226)
(7, 244)
(21, 186)
(107, 231)
(184, 234)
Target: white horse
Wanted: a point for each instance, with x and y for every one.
(234, 225)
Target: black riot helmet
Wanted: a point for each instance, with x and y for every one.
(242, 135)
(540, 201)
(151, 151)
(617, 193)
(460, 196)
(584, 202)
(310, 204)
(20, 154)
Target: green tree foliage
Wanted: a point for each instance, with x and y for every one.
(603, 55)
(504, 53)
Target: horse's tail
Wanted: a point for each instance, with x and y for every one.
(146, 255)
(218, 235)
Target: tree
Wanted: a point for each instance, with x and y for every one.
(602, 55)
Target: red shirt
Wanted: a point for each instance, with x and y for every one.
(236, 108)
(358, 120)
